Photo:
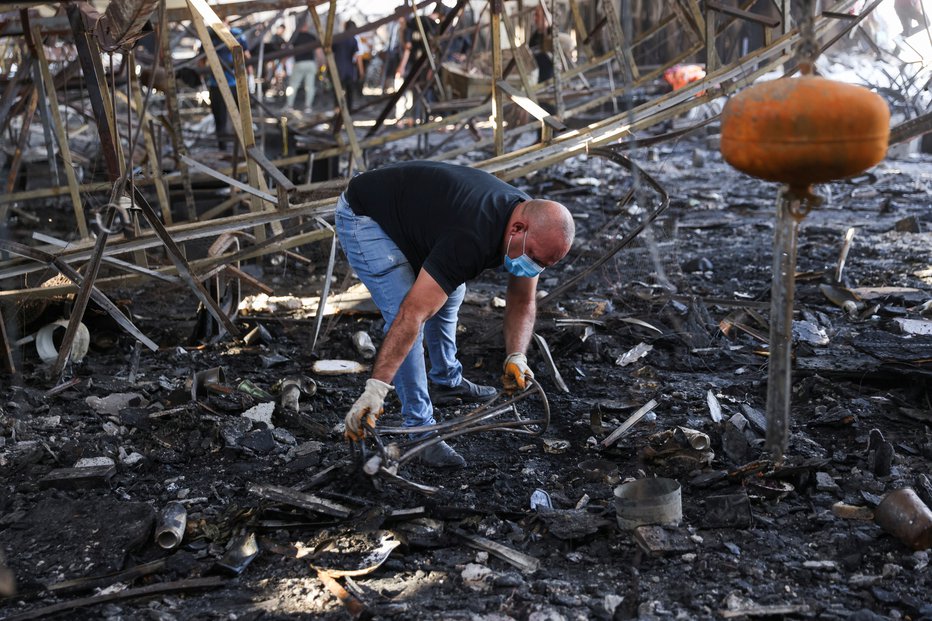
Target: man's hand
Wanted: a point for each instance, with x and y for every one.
(516, 372)
(368, 407)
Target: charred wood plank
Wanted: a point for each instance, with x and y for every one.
(78, 478)
(61, 135)
(907, 130)
(146, 591)
(86, 583)
(302, 500)
(97, 90)
(531, 107)
(520, 560)
(8, 363)
(750, 16)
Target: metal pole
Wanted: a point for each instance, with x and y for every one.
(782, 290)
(497, 98)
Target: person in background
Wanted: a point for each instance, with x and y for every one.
(275, 70)
(363, 56)
(218, 106)
(414, 44)
(415, 48)
(344, 54)
(461, 44)
(909, 11)
(541, 45)
(306, 58)
(393, 51)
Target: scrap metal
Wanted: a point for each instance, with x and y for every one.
(384, 460)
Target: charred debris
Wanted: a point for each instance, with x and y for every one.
(180, 335)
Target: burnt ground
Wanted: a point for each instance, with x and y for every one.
(856, 370)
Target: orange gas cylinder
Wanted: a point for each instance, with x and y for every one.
(804, 130)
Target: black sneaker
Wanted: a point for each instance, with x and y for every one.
(442, 455)
(466, 392)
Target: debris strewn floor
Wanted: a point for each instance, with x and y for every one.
(679, 317)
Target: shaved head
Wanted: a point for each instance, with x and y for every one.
(552, 225)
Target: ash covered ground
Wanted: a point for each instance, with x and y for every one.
(700, 278)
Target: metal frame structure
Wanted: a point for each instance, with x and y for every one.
(271, 209)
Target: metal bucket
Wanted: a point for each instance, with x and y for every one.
(648, 501)
(599, 471)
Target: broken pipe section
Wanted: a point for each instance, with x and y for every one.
(48, 350)
(364, 345)
(291, 390)
(648, 501)
(169, 530)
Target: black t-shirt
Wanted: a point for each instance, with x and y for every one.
(300, 39)
(413, 36)
(448, 219)
(275, 44)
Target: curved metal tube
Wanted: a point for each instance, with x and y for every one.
(488, 410)
(618, 158)
(472, 422)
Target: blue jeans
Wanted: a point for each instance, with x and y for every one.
(385, 271)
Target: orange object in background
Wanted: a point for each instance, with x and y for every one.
(804, 130)
(679, 76)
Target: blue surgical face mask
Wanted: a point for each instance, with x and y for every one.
(524, 266)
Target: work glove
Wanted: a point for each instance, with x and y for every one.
(516, 372)
(367, 409)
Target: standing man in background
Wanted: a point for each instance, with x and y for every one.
(393, 51)
(275, 70)
(910, 11)
(344, 54)
(218, 106)
(306, 61)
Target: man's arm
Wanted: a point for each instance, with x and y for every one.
(400, 71)
(520, 312)
(424, 299)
